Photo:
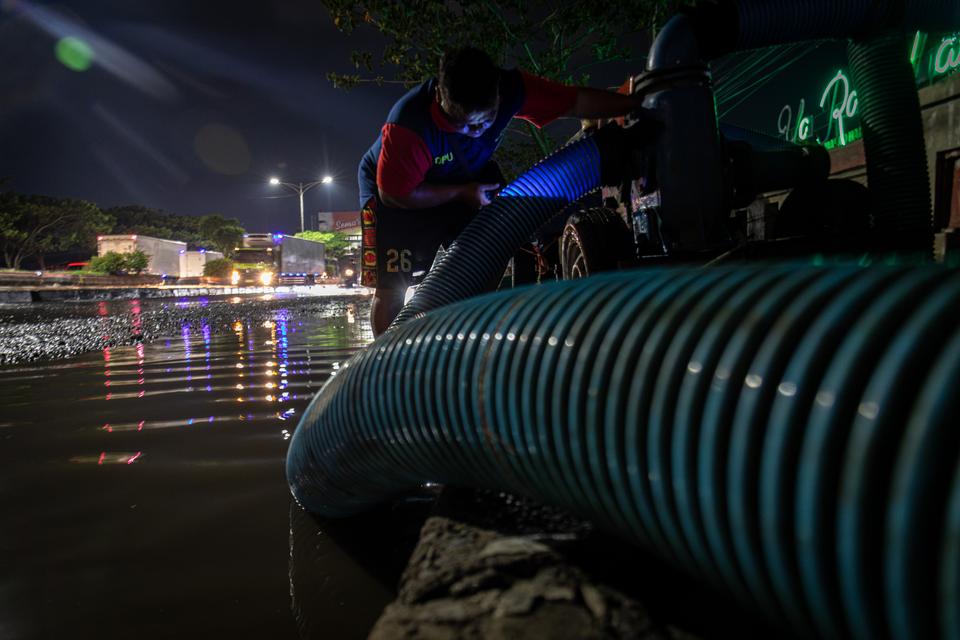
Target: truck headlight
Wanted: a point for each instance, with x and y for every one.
(235, 277)
(348, 272)
(266, 277)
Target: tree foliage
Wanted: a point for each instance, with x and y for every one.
(156, 223)
(337, 243)
(35, 226)
(224, 234)
(116, 263)
(136, 261)
(219, 268)
(562, 41)
(111, 262)
(214, 230)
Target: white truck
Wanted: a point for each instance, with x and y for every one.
(164, 255)
(192, 262)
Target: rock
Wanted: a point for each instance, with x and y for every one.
(594, 601)
(548, 621)
(517, 600)
(472, 583)
(513, 546)
(482, 570)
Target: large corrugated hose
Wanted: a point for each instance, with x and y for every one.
(475, 262)
(788, 433)
(761, 23)
(893, 140)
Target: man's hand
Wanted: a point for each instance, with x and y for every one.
(475, 194)
(428, 195)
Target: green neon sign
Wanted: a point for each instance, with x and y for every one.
(947, 58)
(843, 103)
(839, 102)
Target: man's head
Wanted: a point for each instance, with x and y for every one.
(468, 90)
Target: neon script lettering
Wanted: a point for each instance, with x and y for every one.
(785, 123)
(845, 107)
(948, 56)
(445, 158)
(839, 102)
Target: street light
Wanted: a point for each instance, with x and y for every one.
(301, 188)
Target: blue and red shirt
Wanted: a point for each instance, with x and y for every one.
(417, 144)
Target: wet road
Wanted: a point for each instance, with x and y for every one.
(142, 488)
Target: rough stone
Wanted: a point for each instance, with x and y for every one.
(513, 546)
(505, 577)
(594, 601)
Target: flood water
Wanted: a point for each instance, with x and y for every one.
(142, 489)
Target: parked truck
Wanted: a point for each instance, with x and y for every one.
(193, 262)
(164, 255)
(271, 259)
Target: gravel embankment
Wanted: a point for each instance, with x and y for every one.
(61, 330)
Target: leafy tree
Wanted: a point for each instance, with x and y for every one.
(116, 263)
(219, 268)
(111, 262)
(156, 223)
(32, 225)
(135, 261)
(337, 243)
(557, 40)
(224, 234)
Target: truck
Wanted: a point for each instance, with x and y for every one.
(192, 262)
(270, 259)
(164, 255)
(348, 270)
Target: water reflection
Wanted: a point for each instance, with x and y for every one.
(343, 572)
(263, 372)
(139, 480)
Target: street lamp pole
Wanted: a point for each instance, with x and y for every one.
(301, 188)
(301, 207)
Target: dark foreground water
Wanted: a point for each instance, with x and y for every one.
(142, 489)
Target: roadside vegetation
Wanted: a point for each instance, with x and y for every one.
(337, 243)
(219, 268)
(39, 232)
(116, 264)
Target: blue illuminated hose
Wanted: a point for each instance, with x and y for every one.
(475, 263)
(787, 433)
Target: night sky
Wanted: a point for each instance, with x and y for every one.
(191, 106)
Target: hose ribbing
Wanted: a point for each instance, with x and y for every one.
(739, 421)
(769, 22)
(893, 141)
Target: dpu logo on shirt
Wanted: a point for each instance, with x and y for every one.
(445, 158)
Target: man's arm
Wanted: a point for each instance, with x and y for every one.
(545, 100)
(599, 103)
(426, 195)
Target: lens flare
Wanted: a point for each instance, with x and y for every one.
(74, 53)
